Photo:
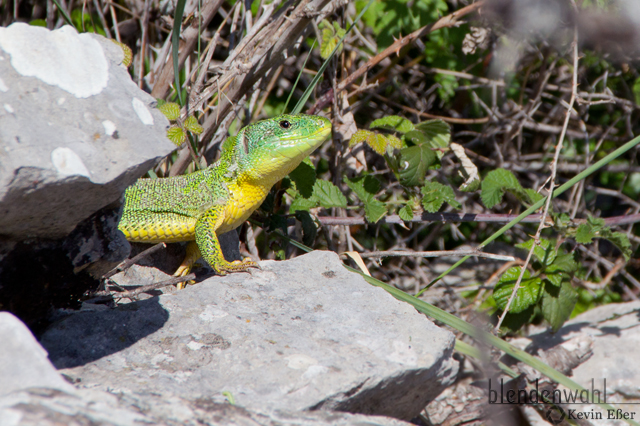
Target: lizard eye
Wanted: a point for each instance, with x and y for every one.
(285, 124)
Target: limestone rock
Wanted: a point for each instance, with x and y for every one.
(299, 335)
(74, 129)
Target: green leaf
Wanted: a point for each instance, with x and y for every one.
(544, 251)
(374, 210)
(555, 275)
(558, 303)
(495, 184)
(406, 213)
(514, 321)
(532, 196)
(192, 125)
(435, 195)
(177, 135)
(414, 163)
(636, 90)
(171, 110)
(304, 176)
(415, 138)
(585, 234)
(359, 136)
(331, 35)
(438, 134)
(309, 230)
(300, 203)
(376, 141)
(328, 195)
(393, 122)
(527, 295)
(365, 188)
(620, 240)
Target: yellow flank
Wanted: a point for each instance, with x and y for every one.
(244, 198)
(163, 229)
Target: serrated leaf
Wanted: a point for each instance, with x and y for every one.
(331, 35)
(527, 294)
(495, 184)
(304, 176)
(192, 125)
(406, 213)
(300, 203)
(394, 141)
(378, 143)
(558, 303)
(620, 240)
(393, 122)
(565, 262)
(328, 195)
(414, 163)
(435, 195)
(365, 187)
(171, 110)
(544, 251)
(438, 133)
(584, 234)
(177, 135)
(359, 136)
(309, 230)
(374, 210)
(555, 275)
(514, 322)
(532, 196)
(415, 138)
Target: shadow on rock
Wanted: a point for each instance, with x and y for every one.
(88, 336)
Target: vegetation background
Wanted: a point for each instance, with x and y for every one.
(450, 119)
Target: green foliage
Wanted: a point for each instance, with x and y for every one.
(499, 181)
(365, 188)
(309, 230)
(548, 289)
(595, 228)
(177, 133)
(331, 35)
(324, 194)
(436, 194)
(85, 22)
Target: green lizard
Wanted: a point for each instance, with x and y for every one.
(199, 206)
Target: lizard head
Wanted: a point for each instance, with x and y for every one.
(269, 149)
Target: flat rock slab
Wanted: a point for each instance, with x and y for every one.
(297, 335)
(613, 367)
(75, 130)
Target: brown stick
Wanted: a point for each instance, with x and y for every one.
(129, 262)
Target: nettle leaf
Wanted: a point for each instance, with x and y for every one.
(393, 122)
(558, 303)
(414, 163)
(436, 194)
(438, 134)
(406, 213)
(304, 176)
(171, 110)
(177, 135)
(328, 195)
(527, 295)
(545, 252)
(192, 125)
(309, 230)
(495, 184)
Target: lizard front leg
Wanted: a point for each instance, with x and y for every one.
(209, 245)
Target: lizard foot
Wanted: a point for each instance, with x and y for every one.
(183, 271)
(235, 266)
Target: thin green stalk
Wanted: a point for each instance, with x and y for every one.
(318, 76)
(582, 175)
(298, 78)
(175, 45)
(66, 17)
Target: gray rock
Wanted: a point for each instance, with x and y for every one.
(74, 129)
(298, 335)
(23, 362)
(49, 407)
(615, 332)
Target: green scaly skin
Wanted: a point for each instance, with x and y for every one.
(199, 206)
